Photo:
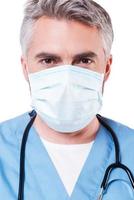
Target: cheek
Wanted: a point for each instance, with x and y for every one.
(101, 62)
(31, 65)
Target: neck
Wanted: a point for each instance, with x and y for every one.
(85, 135)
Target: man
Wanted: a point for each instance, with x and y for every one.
(62, 148)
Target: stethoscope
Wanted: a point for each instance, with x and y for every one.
(104, 184)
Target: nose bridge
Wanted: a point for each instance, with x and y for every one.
(67, 58)
(67, 81)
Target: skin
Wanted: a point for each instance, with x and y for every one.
(73, 43)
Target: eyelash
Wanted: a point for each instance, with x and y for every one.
(44, 59)
(76, 61)
(87, 59)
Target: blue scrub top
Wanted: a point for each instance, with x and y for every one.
(42, 180)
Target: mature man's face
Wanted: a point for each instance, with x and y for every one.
(57, 42)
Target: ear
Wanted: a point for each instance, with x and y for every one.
(24, 67)
(108, 68)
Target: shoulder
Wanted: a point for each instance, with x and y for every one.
(123, 132)
(11, 128)
(125, 136)
(11, 132)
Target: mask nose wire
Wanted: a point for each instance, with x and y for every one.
(33, 115)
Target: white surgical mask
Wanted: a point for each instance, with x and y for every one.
(66, 97)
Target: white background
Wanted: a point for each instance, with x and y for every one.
(119, 89)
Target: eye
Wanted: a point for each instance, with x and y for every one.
(83, 61)
(47, 61)
(86, 60)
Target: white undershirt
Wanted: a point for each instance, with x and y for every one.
(68, 161)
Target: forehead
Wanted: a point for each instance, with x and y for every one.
(64, 35)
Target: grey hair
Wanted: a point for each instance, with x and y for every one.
(85, 11)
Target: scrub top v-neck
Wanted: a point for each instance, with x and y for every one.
(42, 180)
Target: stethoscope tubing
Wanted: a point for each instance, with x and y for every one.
(117, 163)
(114, 137)
(22, 156)
(108, 171)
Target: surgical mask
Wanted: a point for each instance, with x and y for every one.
(66, 97)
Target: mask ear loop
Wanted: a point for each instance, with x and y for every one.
(22, 156)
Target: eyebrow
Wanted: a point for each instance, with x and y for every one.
(56, 56)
